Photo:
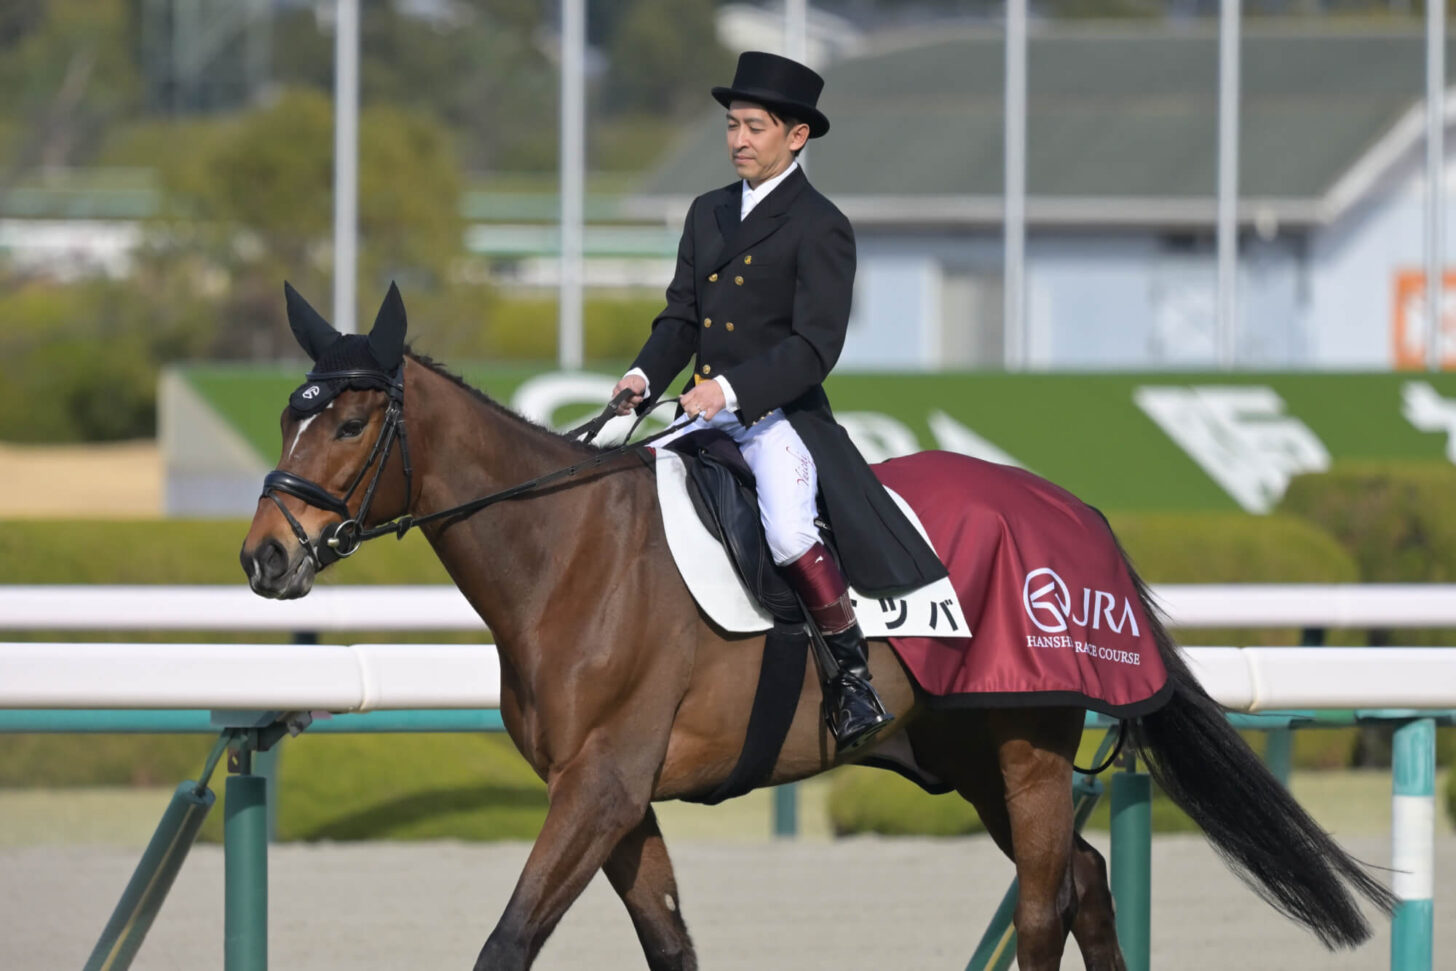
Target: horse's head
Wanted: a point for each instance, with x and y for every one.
(345, 463)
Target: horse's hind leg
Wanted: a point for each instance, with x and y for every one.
(1094, 925)
(1015, 768)
(1034, 748)
(641, 873)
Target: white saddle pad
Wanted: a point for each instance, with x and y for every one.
(930, 611)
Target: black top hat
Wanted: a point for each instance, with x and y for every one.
(784, 86)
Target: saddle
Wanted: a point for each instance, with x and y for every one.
(723, 491)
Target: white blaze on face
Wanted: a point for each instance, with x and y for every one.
(303, 427)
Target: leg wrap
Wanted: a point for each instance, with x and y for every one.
(817, 578)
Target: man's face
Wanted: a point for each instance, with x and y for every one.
(759, 146)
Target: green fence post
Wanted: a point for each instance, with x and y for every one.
(153, 877)
(245, 865)
(1132, 863)
(1413, 833)
(786, 810)
(265, 767)
(1279, 753)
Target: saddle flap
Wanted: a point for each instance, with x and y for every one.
(722, 488)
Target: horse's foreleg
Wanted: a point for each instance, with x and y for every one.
(595, 802)
(641, 873)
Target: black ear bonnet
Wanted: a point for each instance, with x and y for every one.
(344, 362)
(346, 365)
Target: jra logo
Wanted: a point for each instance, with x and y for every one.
(1048, 603)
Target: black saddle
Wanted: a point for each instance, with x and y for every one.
(724, 493)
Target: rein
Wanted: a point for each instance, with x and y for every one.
(339, 540)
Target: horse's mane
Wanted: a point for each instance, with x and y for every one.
(540, 431)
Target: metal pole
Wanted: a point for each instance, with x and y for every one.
(1279, 753)
(786, 810)
(346, 163)
(1132, 865)
(1228, 183)
(1435, 182)
(573, 140)
(1014, 243)
(796, 46)
(245, 872)
(796, 30)
(1413, 834)
(152, 879)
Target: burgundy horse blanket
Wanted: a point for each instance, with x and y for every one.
(1054, 610)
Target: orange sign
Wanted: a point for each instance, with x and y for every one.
(1409, 328)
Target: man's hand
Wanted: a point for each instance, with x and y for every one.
(637, 386)
(703, 401)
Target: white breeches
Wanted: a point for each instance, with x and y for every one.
(787, 479)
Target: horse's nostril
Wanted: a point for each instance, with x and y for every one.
(271, 559)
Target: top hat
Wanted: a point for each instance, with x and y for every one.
(779, 84)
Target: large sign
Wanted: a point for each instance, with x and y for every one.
(1167, 441)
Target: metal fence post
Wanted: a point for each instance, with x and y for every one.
(152, 879)
(1132, 862)
(1413, 833)
(245, 867)
(786, 810)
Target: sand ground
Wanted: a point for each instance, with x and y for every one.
(121, 479)
(859, 903)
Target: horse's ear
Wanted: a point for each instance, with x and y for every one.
(386, 338)
(313, 332)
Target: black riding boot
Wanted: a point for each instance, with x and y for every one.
(852, 708)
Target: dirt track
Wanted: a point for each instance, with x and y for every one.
(123, 479)
(863, 903)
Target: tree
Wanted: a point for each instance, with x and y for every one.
(254, 207)
(68, 74)
(665, 56)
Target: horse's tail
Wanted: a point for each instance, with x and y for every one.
(1266, 837)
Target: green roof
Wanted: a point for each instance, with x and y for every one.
(1124, 113)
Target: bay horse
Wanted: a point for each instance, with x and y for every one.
(620, 692)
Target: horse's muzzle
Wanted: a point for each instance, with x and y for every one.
(274, 573)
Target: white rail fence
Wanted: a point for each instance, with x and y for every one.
(426, 608)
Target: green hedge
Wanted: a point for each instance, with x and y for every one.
(1232, 548)
(1397, 520)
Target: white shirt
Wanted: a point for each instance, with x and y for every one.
(751, 198)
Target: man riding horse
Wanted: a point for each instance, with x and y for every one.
(761, 297)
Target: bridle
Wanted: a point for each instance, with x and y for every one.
(342, 539)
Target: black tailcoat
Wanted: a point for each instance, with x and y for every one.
(765, 303)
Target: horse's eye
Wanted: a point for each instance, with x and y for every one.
(351, 429)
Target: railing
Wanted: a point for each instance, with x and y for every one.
(436, 608)
(202, 687)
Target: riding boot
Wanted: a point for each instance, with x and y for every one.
(852, 708)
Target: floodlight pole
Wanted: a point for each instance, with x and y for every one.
(1227, 300)
(573, 141)
(1014, 229)
(1435, 179)
(796, 46)
(346, 163)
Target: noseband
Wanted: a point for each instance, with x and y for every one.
(342, 539)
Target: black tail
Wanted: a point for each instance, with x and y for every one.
(1266, 837)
